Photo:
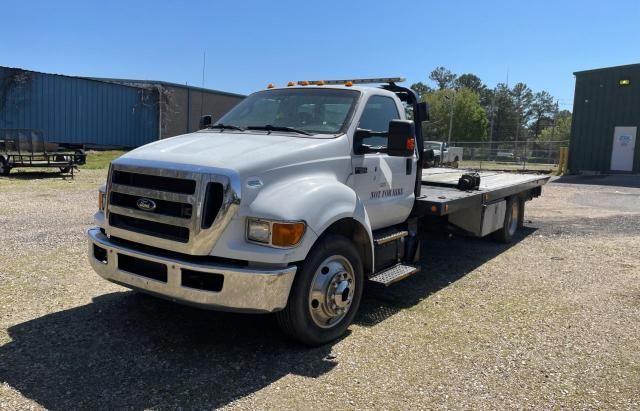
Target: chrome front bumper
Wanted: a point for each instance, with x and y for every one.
(244, 289)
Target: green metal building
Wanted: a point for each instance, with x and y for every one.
(606, 118)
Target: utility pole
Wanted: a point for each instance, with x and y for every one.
(493, 103)
(204, 62)
(453, 100)
(553, 132)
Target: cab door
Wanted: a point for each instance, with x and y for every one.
(384, 183)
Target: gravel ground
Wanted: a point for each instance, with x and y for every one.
(551, 321)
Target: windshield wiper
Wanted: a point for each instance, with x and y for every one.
(269, 127)
(226, 126)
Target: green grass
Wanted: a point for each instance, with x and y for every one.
(98, 160)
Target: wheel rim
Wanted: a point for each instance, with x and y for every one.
(332, 291)
(513, 219)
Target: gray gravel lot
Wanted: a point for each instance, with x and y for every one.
(552, 321)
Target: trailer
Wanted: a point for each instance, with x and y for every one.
(28, 148)
(290, 202)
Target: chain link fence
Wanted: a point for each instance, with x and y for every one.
(507, 156)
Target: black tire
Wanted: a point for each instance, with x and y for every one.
(80, 157)
(61, 158)
(522, 201)
(296, 319)
(4, 167)
(509, 228)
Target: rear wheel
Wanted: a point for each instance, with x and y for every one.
(4, 167)
(63, 159)
(325, 294)
(80, 157)
(512, 220)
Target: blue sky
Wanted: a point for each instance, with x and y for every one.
(251, 43)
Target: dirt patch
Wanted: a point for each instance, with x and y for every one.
(551, 321)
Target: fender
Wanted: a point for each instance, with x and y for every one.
(324, 202)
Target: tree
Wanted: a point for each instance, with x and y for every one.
(443, 77)
(505, 120)
(560, 131)
(421, 89)
(522, 97)
(469, 118)
(542, 109)
(471, 82)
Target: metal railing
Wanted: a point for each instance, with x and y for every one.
(512, 156)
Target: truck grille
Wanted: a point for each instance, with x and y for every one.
(174, 185)
(168, 231)
(168, 208)
(183, 211)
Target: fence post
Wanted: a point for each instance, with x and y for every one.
(562, 163)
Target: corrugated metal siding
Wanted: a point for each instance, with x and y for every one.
(76, 110)
(600, 104)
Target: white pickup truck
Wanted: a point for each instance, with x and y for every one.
(289, 203)
(444, 155)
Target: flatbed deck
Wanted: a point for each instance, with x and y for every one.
(439, 195)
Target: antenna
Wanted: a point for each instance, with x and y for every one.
(204, 63)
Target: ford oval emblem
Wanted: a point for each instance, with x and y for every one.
(146, 204)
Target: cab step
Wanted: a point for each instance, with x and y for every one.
(394, 274)
(387, 235)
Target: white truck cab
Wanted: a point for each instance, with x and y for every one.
(287, 204)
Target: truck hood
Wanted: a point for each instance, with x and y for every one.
(242, 152)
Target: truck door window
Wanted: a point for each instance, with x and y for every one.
(377, 114)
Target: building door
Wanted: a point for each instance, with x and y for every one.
(624, 144)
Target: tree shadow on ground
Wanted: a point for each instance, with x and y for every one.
(37, 175)
(127, 350)
(444, 261)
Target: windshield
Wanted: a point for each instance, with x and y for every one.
(432, 145)
(313, 110)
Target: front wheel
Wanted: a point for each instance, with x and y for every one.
(325, 294)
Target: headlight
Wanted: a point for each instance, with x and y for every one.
(258, 230)
(275, 233)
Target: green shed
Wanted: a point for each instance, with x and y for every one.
(606, 118)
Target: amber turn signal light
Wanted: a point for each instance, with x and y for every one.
(411, 144)
(286, 234)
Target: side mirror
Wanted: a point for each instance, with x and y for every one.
(358, 140)
(423, 109)
(205, 121)
(402, 138)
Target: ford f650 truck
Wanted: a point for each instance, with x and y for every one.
(289, 203)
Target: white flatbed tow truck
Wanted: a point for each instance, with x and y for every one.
(289, 203)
